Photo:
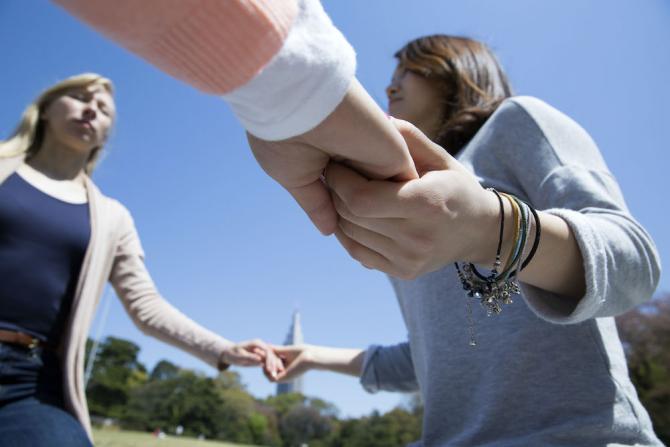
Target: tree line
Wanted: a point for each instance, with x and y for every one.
(121, 388)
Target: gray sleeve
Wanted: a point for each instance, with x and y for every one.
(560, 170)
(388, 368)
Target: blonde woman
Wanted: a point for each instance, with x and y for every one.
(61, 240)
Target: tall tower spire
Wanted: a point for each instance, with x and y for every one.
(294, 337)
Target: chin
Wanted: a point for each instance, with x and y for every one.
(80, 145)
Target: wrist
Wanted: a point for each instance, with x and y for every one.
(487, 231)
(221, 363)
(315, 357)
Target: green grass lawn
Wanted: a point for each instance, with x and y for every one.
(114, 438)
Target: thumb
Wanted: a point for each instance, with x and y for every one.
(315, 200)
(427, 155)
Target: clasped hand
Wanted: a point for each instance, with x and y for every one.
(410, 228)
(403, 228)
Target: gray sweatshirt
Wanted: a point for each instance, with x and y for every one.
(543, 373)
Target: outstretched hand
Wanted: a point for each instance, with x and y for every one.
(296, 359)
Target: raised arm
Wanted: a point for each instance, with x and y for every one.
(286, 71)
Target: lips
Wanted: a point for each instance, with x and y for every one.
(86, 124)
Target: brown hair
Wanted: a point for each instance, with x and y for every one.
(470, 80)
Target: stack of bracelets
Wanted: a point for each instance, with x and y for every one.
(498, 287)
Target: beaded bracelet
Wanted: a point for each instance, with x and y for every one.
(497, 288)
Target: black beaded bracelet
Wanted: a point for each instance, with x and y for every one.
(497, 262)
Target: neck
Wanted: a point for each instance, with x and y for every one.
(58, 161)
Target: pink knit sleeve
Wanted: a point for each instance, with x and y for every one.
(214, 45)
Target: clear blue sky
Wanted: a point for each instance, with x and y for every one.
(229, 247)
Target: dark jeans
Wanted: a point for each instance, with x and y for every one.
(31, 401)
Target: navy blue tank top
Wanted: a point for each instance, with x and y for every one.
(43, 241)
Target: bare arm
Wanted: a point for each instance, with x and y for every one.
(298, 359)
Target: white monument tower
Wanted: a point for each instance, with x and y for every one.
(294, 337)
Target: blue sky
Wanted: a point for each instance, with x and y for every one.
(229, 247)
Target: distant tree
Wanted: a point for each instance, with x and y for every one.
(398, 427)
(304, 425)
(244, 419)
(189, 400)
(283, 403)
(116, 371)
(303, 420)
(164, 370)
(218, 408)
(645, 333)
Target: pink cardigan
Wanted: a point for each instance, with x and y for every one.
(214, 45)
(115, 254)
(281, 65)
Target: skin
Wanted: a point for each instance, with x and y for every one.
(79, 121)
(410, 228)
(75, 123)
(356, 133)
(413, 98)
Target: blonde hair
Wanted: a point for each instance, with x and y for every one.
(29, 134)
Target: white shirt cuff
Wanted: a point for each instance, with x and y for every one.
(302, 84)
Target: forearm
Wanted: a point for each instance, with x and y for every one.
(557, 266)
(594, 263)
(340, 360)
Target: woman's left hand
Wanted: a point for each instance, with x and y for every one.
(407, 229)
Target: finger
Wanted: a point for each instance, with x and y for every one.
(376, 242)
(364, 255)
(271, 365)
(269, 376)
(277, 365)
(315, 200)
(245, 358)
(260, 352)
(367, 198)
(391, 227)
(294, 370)
(427, 155)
